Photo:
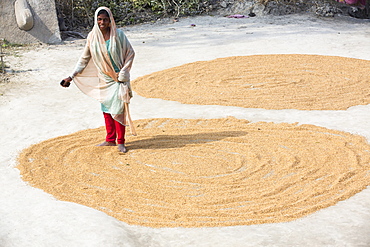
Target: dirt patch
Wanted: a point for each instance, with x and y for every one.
(200, 173)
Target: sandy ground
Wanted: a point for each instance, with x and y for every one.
(37, 109)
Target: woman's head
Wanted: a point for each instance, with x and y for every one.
(103, 20)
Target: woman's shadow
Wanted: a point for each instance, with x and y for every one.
(177, 141)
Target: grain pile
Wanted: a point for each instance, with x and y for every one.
(303, 82)
(203, 173)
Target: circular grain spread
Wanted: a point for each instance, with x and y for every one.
(203, 173)
(303, 82)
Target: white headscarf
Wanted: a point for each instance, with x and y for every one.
(95, 75)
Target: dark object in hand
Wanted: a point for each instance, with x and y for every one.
(64, 83)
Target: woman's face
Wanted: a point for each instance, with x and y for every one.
(103, 22)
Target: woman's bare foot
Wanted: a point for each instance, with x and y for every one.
(122, 148)
(106, 144)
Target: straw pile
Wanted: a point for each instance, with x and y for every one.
(203, 173)
(304, 82)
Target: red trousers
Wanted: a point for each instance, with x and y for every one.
(115, 130)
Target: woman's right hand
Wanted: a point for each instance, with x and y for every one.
(66, 82)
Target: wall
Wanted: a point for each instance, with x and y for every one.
(45, 29)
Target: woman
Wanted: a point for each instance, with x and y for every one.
(103, 72)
